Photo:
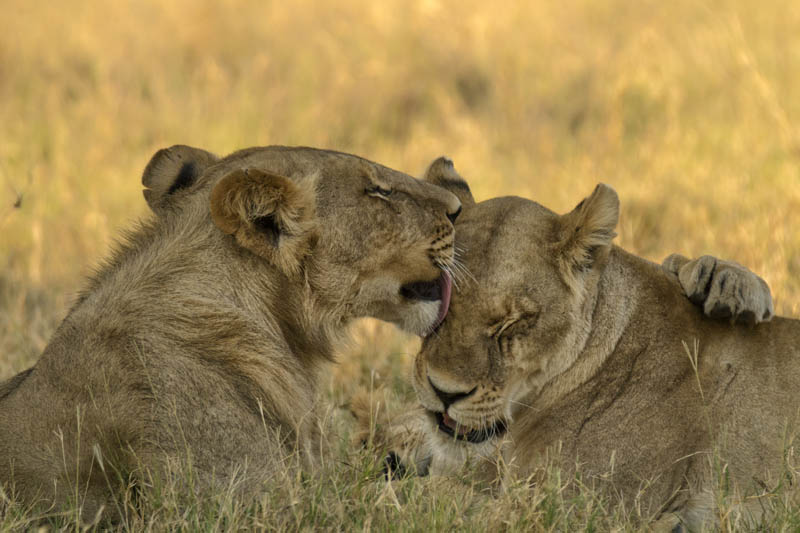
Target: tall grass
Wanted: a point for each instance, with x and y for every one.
(688, 109)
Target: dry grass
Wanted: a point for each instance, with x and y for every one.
(689, 111)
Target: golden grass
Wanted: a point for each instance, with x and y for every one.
(688, 109)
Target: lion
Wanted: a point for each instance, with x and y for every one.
(568, 349)
(205, 333)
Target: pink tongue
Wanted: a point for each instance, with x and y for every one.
(446, 285)
(452, 424)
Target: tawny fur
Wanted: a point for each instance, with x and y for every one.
(586, 349)
(201, 339)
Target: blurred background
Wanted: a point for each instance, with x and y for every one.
(689, 109)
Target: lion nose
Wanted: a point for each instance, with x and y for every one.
(454, 215)
(449, 398)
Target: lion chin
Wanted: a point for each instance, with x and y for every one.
(429, 302)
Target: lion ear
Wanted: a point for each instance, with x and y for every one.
(587, 231)
(269, 215)
(173, 169)
(442, 173)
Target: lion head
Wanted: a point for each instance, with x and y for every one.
(368, 240)
(520, 321)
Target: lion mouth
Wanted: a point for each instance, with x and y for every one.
(453, 429)
(439, 289)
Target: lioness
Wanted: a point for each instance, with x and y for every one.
(203, 336)
(566, 340)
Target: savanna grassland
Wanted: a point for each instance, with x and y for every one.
(690, 110)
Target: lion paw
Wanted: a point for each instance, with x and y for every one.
(399, 431)
(723, 288)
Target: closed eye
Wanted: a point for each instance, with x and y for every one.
(498, 328)
(378, 191)
(506, 326)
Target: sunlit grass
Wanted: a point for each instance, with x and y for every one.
(689, 110)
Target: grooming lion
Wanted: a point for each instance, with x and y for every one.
(203, 336)
(569, 349)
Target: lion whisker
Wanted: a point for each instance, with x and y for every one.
(523, 404)
(463, 270)
(454, 274)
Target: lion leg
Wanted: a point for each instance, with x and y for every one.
(723, 289)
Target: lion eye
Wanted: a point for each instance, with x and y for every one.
(514, 325)
(377, 190)
(499, 328)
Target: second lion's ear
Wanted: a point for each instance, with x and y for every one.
(443, 173)
(268, 214)
(586, 232)
(171, 170)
